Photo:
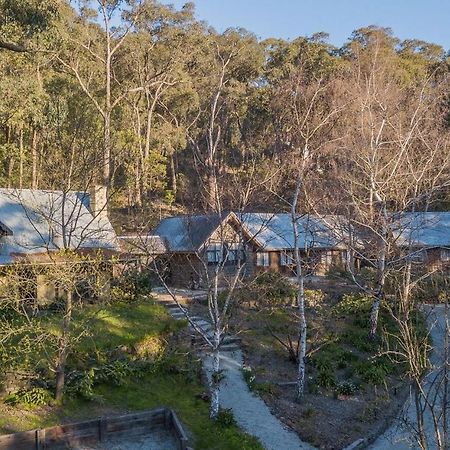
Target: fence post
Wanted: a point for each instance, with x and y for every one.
(40, 439)
(167, 418)
(102, 422)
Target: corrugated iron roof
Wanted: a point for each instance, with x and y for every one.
(41, 220)
(270, 231)
(423, 229)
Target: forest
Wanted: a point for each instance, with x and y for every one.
(165, 115)
(168, 112)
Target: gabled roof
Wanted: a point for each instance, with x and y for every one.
(41, 221)
(268, 231)
(423, 229)
(275, 231)
(143, 245)
(188, 233)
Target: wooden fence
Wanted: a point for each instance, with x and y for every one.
(99, 430)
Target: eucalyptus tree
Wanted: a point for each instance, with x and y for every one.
(24, 23)
(155, 62)
(229, 63)
(93, 42)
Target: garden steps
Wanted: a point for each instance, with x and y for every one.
(229, 343)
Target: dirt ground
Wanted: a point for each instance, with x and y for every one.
(323, 419)
(156, 440)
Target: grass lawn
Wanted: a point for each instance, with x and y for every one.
(125, 326)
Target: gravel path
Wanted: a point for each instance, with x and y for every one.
(251, 413)
(155, 440)
(397, 437)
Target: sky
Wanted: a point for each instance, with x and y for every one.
(428, 20)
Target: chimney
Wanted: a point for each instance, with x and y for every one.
(99, 201)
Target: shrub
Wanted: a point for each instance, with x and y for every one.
(249, 377)
(225, 418)
(353, 304)
(271, 289)
(325, 379)
(373, 372)
(346, 388)
(150, 347)
(29, 397)
(314, 298)
(132, 285)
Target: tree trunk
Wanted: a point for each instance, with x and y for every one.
(211, 185)
(173, 175)
(374, 313)
(301, 373)
(64, 348)
(21, 158)
(215, 378)
(10, 171)
(34, 159)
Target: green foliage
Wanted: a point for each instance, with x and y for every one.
(249, 377)
(373, 371)
(346, 388)
(131, 286)
(225, 418)
(314, 298)
(325, 379)
(353, 304)
(33, 397)
(270, 290)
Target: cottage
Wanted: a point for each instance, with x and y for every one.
(250, 242)
(197, 244)
(425, 236)
(35, 225)
(321, 240)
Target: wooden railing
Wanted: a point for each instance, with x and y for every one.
(98, 430)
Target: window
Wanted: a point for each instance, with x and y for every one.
(287, 259)
(445, 254)
(235, 252)
(262, 259)
(327, 258)
(214, 253)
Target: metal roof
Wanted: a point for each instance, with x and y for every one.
(270, 231)
(41, 221)
(188, 233)
(275, 231)
(423, 229)
(146, 244)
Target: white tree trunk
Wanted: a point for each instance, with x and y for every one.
(215, 378)
(300, 298)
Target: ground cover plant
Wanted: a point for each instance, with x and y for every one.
(352, 385)
(132, 356)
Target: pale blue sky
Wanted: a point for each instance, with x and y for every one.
(422, 19)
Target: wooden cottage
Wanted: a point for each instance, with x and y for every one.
(251, 243)
(40, 229)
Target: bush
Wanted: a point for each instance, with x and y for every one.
(346, 388)
(225, 418)
(353, 304)
(249, 377)
(271, 290)
(325, 379)
(373, 372)
(314, 298)
(131, 286)
(29, 397)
